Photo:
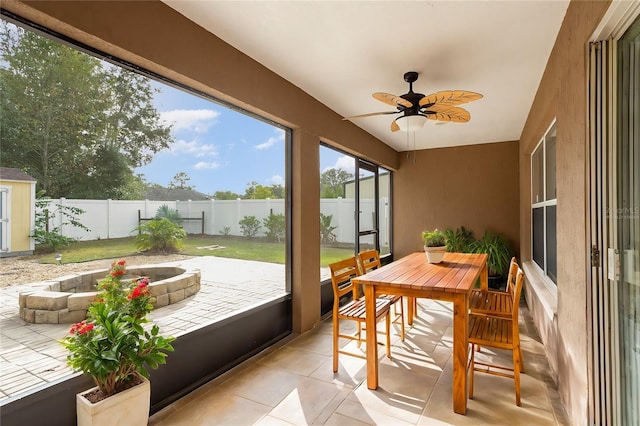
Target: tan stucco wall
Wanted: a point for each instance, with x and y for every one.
(472, 186)
(563, 94)
(21, 195)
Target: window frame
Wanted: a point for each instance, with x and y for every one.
(544, 204)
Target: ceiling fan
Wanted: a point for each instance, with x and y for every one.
(416, 108)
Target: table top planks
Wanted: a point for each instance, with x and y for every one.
(457, 273)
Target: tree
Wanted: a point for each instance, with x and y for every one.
(255, 191)
(226, 195)
(277, 191)
(76, 125)
(180, 181)
(50, 110)
(332, 182)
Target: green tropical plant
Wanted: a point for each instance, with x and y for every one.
(459, 240)
(160, 235)
(326, 230)
(276, 226)
(433, 238)
(498, 248)
(111, 345)
(249, 226)
(172, 214)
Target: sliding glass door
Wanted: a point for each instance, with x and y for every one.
(628, 218)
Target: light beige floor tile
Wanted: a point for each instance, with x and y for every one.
(216, 408)
(351, 371)
(362, 413)
(306, 401)
(340, 420)
(264, 385)
(295, 360)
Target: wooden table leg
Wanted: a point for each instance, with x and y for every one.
(484, 278)
(372, 338)
(411, 303)
(460, 352)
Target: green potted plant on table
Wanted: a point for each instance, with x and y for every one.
(434, 245)
(114, 348)
(498, 249)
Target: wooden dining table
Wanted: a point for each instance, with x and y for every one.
(411, 276)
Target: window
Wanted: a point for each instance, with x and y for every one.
(349, 184)
(543, 204)
(122, 144)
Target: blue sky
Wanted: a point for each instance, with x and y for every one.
(220, 149)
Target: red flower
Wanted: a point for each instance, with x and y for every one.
(81, 328)
(121, 262)
(142, 289)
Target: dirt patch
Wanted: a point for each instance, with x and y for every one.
(23, 270)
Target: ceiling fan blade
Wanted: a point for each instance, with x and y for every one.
(394, 126)
(447, 113)
(449, 98)
(392, 99)
(371, 114)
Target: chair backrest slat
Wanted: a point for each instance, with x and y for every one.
(342, 272)
(511, 278)
(519, 279)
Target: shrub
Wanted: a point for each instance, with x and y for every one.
(249, 226)
(498, 248)
(276, 226)
(459, 240)
(326, 230)
(51, 239)
(172, 214)
(159, 235)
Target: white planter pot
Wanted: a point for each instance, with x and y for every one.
(435, 254)
(130, 407)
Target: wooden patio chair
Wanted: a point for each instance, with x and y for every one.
(341, 274)
(370, 260)
(494, 301)
(500, 332)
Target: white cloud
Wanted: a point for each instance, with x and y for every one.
(203, 165)
(277, 180)
(197, 120)
(194, 148)
(272, 140)
(345, 163)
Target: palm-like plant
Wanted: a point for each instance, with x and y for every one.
(459, 240)
(326, 230)
(498, 248)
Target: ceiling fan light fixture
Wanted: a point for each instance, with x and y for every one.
(411, 123)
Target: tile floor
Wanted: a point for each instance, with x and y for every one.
(292, 383)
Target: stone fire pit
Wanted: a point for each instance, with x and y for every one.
(65, 300)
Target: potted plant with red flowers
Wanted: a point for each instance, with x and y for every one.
(114, 347)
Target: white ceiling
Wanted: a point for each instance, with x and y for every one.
(340, 52)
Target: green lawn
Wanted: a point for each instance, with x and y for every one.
(233, 247)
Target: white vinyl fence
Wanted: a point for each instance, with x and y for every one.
(117, 218)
